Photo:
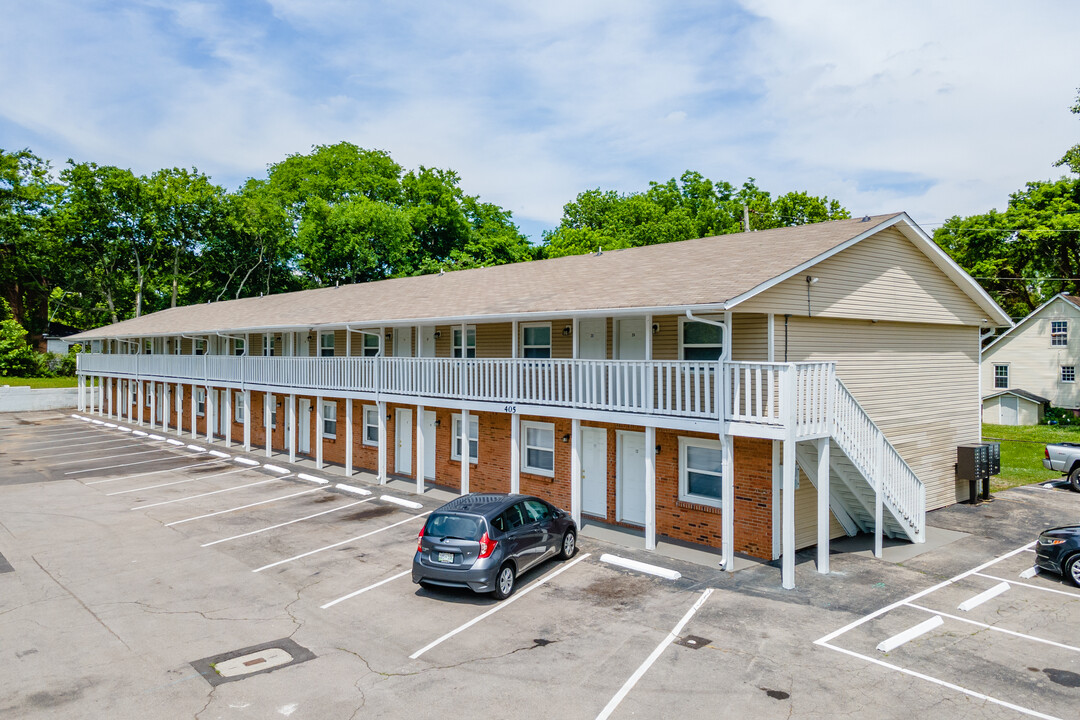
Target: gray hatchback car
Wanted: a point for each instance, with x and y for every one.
(484, 541)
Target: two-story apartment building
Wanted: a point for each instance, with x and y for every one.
(756, 393)
(1033, 362)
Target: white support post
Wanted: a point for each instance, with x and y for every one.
(381, 409)
(153, 403)
(823, 505)
(421, 451)
(139, 390)
(88, 387)
(268, 422)
(247, 420)
(209, 413)
(727, 494)
(194, 411)
(90, 405)
(292, 428)
(515, 453)
(318, 432)
(650, 482)
(465, 454)
(227, 414)
(81, 405)
(788, 557)
(179, 409)
(349, 436)
(878, 481)
(575, 471)
(777, 478)
(166, 407)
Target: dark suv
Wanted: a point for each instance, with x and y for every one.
(1058, 551)
(483, 541)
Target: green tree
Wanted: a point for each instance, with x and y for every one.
(1071, 158)
(17, 359)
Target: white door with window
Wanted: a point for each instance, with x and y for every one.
(403, 429)
(1010, 410)
(594, 495)
(428, 428)
(303, 423)
(631, 338)
(630, 477)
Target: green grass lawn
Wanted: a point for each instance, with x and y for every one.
(60, 382)
(1022, 452)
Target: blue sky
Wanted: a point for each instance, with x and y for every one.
(937, 108)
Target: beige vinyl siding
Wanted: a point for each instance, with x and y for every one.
(185, 346)
(665, 343)
(1035, 364)
(749, 337)
(806, 515)
(495, 340)
(562, 346)
(884, 277)
(444, 343)
(917, 382)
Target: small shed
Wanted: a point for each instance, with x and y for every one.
(1013, 407)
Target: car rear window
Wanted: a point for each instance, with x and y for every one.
(464, 527)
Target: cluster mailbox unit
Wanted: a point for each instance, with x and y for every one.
(975, 463)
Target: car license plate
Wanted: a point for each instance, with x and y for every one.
(446, 557)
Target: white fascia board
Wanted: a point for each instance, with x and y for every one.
(1024, 321)
(922, 241)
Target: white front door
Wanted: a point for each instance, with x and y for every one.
(303, 422)
(302, 344)
(402, 342)
(1009, 410)
(631, 337)
(594, 471)
(159, 401)
(592, 339)
(427, 335)
(403, 446)
(428, 428)
(288, 421)
(630, 477)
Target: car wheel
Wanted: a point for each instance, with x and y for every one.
(569, 545)
(1074, 480)
(504, 582)
(1071, 570)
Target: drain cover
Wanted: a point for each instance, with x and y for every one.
(694, 642)
(254, 660)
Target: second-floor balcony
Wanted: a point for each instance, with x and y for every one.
(760, 398)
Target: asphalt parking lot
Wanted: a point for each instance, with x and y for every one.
(135, 562)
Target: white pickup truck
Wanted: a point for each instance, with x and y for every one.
(1065, 458)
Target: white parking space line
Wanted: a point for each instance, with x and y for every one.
(361, 591)
(53, 439)
(910, 634)
(108, 457)
(290, 522)
(942, 683)
(1033, 587)
(995, 628)
(339, 544)
(974, 602)
(141, 462)
(1030, 572)
(242, 507)
(200, 495)
(87, 452)
(152, 472)
(169, 484)
(671, 637)
(520, 594)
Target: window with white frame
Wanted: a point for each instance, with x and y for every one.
(371, 345)
(273, 411)
(268, 345)
(198, 346)
(474, 438)
(238, 407)
(536, 340)
(147, 394)
(326, 344)
(1059, 332)
(538, 450)
(470, 339)
(371, 425)
(1001, 376)
(200, 401)
(1068, 373)
(239, 344)
(700, 341)
(148, 347)
(701, 471)
(329, 422)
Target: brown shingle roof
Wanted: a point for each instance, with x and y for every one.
(703, 271)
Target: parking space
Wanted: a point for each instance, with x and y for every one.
(135, 553)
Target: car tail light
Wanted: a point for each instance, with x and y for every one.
(420, 541)
(487, 545)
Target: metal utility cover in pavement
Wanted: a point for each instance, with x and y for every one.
(694, 642)
(254, 660)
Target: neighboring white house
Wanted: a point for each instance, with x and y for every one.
(1039, 355)
(1013, 407)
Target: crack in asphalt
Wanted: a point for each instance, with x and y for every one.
(84, 605)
